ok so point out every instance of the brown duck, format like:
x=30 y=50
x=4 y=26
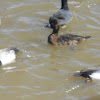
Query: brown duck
x=66 y=39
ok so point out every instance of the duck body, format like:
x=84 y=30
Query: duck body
x=91 y=73
x=63 y=15
x=65 y=39
x=8 y=55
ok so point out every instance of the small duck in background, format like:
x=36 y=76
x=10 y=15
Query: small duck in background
x=8 y=55
x=66 y=39
x=63 y=15
x=90 y=73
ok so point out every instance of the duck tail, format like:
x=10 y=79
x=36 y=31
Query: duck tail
x=15 y=49
x=64 y=4
x=87 y=37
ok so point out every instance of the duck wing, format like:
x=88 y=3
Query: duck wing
x=70 y=39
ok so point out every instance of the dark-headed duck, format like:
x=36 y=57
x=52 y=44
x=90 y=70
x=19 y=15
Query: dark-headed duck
x=63 y=15
x=90 y=73
x=65 y=39
x=8 y=55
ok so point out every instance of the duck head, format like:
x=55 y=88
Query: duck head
x=54 y=24
x=77 y=74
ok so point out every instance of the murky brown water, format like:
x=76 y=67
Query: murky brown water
x=50 y=68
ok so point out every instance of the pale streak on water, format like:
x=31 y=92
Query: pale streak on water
x=50 y=68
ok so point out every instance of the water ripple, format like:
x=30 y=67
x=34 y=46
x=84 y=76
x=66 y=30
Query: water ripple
x=50 y=68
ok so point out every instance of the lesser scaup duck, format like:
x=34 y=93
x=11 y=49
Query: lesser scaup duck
x=8 y=55
x=90 y=73
x=63 y=15
x=65 y=39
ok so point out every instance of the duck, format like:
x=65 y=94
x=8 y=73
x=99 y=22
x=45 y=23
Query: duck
x=65 y=39
x=8 y=55
x=90 y=73
x=63 y=15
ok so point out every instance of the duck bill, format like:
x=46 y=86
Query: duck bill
x=77 y=74
x=78 y=71
x=47 y=26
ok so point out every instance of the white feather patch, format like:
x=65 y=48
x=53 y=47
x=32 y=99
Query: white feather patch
x=7 y=56
x=95 y=75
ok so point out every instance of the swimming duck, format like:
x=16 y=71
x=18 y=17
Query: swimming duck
x=63 y=15
x=8 y=55
x=65 y=39
x=90 y=73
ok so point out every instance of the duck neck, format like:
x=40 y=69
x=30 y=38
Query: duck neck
x=55 y=31
x=64 y=4
x=52 y=39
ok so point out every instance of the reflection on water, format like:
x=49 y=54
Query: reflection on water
x=50 y=68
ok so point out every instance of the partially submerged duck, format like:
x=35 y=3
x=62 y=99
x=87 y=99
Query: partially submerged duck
x=66 y=39
x=90 y=73
x=8 y=55
x=63 y=15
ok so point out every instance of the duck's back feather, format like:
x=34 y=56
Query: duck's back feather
x=70 y=39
